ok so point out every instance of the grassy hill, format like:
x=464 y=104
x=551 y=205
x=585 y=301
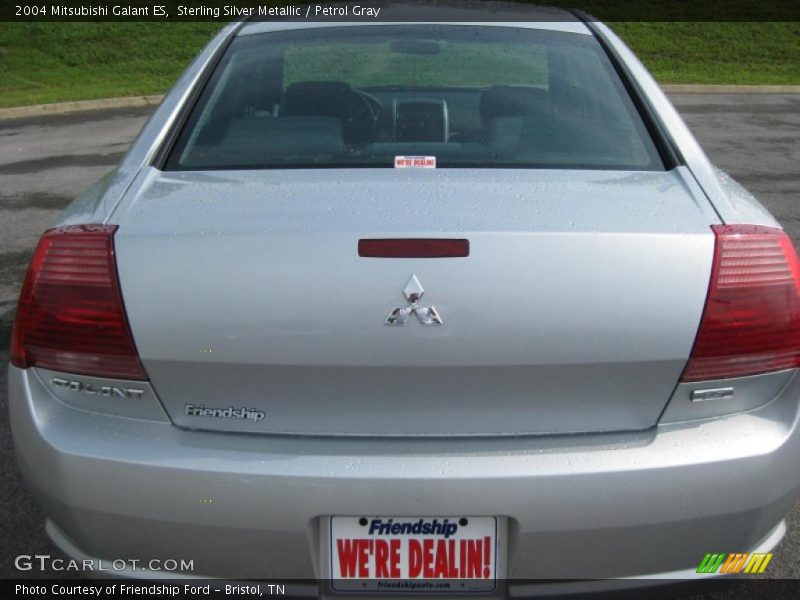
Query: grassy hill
x=52 y=62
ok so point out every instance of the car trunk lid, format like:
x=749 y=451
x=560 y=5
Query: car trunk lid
x=575 y=310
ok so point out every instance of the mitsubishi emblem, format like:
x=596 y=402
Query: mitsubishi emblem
x=413 y=293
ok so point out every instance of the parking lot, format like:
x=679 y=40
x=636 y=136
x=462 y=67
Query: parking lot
x=47 y=161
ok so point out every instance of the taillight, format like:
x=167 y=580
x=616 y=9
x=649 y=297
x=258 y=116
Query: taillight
x=751 y=322
x=70 y=315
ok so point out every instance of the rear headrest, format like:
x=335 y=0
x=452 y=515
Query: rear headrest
x=551 y=134
x=309 y=135
x=317 y=98
x=512 y=101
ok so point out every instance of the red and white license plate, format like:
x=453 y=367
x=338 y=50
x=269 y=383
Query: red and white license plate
x=413 y=554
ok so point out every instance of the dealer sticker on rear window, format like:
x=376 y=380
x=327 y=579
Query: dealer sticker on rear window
x=414 y=162
x=413 y=554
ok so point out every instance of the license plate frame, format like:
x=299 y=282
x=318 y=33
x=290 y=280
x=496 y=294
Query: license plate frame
x=432 y=556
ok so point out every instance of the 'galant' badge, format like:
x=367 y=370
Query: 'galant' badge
x=413 y=293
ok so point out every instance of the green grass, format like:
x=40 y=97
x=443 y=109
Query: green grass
x=54 y=62
x=717 y=53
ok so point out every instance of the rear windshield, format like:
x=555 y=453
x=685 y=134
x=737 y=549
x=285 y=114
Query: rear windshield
x=470 y=96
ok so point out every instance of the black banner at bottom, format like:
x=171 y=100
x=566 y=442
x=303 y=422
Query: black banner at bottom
x=107 y=589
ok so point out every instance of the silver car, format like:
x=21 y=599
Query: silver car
x=413 y=307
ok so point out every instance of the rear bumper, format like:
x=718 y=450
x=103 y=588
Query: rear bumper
x=660 y=585
x=511 y=588
x=243 y=506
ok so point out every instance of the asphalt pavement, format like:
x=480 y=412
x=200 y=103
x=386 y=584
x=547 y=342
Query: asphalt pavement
x=47 y=161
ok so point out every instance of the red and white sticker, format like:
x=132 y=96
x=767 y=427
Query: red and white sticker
x=414 y=162
x=413 y=554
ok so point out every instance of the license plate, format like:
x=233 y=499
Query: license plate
x=413 y=554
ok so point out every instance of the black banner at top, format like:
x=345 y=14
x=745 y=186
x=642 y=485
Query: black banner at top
x=397 y=10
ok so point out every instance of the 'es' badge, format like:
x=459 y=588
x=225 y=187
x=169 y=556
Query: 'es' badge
x=413 y=292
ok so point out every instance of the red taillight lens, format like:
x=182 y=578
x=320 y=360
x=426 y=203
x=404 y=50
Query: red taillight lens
x=413 y=248
x=70 y=315
x=751 y=322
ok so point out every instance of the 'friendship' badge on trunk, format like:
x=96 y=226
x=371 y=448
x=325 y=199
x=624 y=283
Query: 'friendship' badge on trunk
x=252 y=414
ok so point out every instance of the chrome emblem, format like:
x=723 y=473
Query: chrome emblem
x=96 y=390
x=413 y=292
x=725 y=393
